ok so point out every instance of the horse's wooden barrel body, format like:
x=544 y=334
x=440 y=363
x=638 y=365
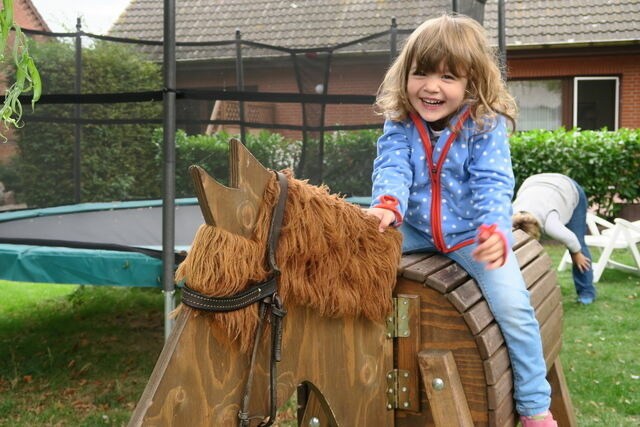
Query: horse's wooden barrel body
x=454 y=316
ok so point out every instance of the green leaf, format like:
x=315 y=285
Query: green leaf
x=27 y=76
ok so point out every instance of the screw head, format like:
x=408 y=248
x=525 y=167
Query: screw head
x=437 y=384
x=314 y=422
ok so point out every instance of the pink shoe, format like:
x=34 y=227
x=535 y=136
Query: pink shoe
x=542 y=420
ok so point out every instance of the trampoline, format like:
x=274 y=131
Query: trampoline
x=113 y=244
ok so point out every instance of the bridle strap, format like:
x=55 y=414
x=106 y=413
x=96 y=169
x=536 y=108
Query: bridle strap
x=276 y=223
x=243 y=414
x=195 y=299
x=267 y=294
x=277 y=314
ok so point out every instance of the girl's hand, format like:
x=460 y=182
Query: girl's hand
x=582 y=262
x=490 y=250
x=385 y=216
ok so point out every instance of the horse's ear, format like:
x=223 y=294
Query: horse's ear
x=234 y=208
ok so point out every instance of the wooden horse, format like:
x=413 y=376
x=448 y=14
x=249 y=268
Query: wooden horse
x=431 y=355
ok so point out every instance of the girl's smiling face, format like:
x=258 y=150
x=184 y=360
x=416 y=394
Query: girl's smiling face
x=437 y=95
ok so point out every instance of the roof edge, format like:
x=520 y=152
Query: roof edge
x=39 y=17
x=593 y=43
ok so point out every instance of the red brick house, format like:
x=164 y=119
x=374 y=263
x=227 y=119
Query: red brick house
x=570 y=62
x=26 y=16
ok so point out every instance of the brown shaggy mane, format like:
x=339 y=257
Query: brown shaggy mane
x=330 y=253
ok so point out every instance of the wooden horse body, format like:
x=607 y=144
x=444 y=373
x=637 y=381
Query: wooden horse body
x=199 y=379
x=440 y=359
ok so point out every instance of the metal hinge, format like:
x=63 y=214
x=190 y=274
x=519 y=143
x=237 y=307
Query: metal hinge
x=398 y=320
x=398 y=389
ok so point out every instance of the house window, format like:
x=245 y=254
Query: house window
x=539 y=103
x=595 y=101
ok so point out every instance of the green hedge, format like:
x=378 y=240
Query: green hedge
x=606 y=164
x=347 y=166
x=211 y=152
x=348 y=161
x=116 y=160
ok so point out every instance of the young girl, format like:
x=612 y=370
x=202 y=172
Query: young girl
x=443 y=175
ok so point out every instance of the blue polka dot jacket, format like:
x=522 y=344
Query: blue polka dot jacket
x=449 y=189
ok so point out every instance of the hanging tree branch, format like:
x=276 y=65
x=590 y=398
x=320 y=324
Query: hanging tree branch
x=27 y=76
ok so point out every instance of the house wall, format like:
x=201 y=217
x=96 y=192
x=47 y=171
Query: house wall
x=625 y=66
x=263 y=79
x=363 y=76
x=357 y=79
x=26 y=16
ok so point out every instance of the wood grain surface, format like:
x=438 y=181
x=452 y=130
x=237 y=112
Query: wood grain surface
x=200 y=376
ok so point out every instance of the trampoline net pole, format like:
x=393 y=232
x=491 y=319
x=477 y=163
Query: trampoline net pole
x=169 y=185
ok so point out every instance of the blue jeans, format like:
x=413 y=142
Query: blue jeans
x=506 y=293
x=578 y=225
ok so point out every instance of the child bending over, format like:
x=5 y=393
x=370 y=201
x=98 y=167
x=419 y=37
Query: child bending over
x=443 y=175
x=556 y=205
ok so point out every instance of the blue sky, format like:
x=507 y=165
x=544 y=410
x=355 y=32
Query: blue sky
x=98 y=15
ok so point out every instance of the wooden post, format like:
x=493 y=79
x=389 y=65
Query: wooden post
x=444 y=389
x=561 y=405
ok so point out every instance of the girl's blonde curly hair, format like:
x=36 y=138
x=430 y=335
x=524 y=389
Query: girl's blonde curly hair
x=461 y=45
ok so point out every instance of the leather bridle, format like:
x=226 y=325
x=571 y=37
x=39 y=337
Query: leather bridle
x=266 y=293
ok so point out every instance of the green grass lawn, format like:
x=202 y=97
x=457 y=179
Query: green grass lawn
x=601 y=353
x=81 y=356
x=76 y=356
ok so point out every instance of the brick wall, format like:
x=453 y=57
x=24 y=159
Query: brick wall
x=26 y=15
x=363 y=76
x=626 y=67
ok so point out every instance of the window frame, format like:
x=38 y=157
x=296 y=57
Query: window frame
x=577 y=79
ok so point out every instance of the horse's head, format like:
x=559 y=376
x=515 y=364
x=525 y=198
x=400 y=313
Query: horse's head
x=331 y=254
x=233 y=208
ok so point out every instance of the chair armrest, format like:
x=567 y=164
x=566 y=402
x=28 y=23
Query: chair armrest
x=633 y=226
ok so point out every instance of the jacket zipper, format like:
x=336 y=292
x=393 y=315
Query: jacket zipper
x=436 y=190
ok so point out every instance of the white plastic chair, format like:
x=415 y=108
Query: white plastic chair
x=621 y=234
